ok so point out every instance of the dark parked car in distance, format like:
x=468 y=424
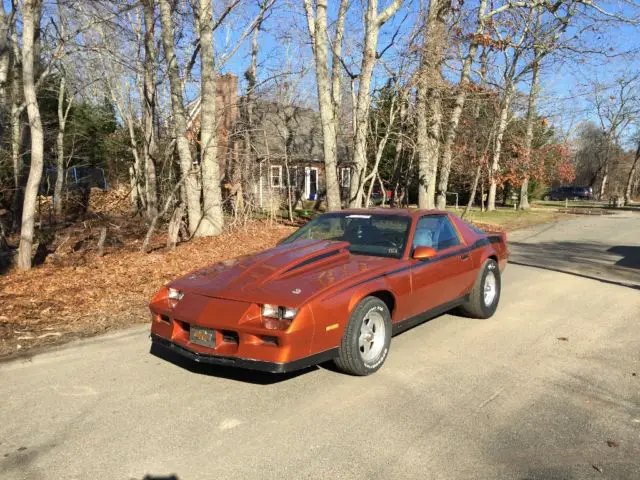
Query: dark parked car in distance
x=570 y=193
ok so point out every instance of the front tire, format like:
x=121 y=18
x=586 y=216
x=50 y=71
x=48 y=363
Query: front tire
x=485 y=294
x=365 y=343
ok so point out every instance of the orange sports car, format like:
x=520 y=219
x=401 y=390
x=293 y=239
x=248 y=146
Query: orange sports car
x=336 y=289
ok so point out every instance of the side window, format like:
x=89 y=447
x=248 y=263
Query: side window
x=435 y=231
x=448 y=236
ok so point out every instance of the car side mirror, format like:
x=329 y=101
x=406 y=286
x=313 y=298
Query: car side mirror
x=424 y=253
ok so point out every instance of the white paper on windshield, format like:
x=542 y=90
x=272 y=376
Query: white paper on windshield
x=358 y=216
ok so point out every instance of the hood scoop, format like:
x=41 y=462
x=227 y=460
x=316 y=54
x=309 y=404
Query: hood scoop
x=335 y=252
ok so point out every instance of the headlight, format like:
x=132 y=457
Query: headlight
x=275 y=317
x=275 y=311
x=174 y=294
x=271 y=311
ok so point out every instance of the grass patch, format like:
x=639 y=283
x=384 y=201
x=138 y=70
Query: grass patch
x=569 y=203
x=510 y=219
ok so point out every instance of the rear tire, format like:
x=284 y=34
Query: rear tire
x=365 y=343
x=485 y=294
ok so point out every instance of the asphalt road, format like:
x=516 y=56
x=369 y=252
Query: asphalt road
x=549 y=388
x=606 y=248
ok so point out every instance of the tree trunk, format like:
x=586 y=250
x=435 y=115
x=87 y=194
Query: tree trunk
x=16 y=127
x=31 y=22
x=212 y=218
x=5 y=58
x=63 y=114
x=397 y=158
x=327 y=103
x=60 y=172
x=101 y=241
x=174 y=227
x=429 y=101
x=190 y=185
x=287 y=172
x=362 y=106
x=16 y=130
x=632 y=172
x=472 y=195
x=373 y=22
x=239 y=173
x=497 y=149
x=374 y=175
x=133 y=192
x=149 y=109
x=605 y=177
x=531 y=116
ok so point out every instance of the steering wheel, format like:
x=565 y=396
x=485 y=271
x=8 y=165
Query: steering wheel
x=386 y=242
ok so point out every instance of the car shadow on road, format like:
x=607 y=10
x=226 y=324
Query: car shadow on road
x=630 y=256
x=618 y=265
x=229 y=373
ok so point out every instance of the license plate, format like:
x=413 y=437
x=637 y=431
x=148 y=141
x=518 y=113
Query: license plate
x=202 y=336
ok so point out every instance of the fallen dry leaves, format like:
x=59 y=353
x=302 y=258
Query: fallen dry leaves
x=81 y=294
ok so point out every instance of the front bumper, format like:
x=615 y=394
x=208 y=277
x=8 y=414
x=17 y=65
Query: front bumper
x=259 y=365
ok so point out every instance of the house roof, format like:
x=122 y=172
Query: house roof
x=278 y=131
x=290 y=132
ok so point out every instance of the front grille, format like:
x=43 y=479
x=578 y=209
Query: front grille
x=229 y=336
x=184 y=326
x=267 y=340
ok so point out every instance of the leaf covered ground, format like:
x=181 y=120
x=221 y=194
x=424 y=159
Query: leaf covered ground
x=76 y=293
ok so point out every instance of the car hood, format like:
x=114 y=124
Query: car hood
x=287 y=275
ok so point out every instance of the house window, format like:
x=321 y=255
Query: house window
x=345 y=177
x=293 y=177
x=276 y=176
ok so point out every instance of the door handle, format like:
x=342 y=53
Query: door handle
x=464 y=256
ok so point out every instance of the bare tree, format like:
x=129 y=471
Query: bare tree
x=31 y=12
x=545 y=42
x=461 y=96
x=63 y=115
x=213 y=218
x=484 y=60
x=150 y=150
x=616 y=106
x=429 y=100
x=328 y=86
x=190 y=186
x=6 y=25
x=373 y=21
x=531 y=114
x=383 y=133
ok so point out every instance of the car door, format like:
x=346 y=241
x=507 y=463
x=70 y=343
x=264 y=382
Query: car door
x=442 y=279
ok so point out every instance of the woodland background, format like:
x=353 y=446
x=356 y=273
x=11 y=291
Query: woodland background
x=492 y=102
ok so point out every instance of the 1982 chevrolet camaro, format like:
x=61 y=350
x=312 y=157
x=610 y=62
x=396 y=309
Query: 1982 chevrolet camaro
x=338 y=288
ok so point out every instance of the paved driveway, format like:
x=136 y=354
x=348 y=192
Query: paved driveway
x=549 y=388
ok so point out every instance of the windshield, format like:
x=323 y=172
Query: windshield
x=377 y=234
